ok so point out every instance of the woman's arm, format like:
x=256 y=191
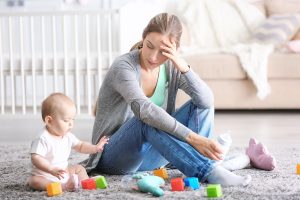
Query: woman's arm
x=124 y=79
x=189 y=82
x=126 y=83
x=201 y=96
x=197 y=89
x=205 y=146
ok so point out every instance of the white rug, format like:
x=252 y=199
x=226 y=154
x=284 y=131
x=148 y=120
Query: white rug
x=282 y=183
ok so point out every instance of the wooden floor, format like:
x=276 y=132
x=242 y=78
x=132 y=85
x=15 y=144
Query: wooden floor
x=271 y=128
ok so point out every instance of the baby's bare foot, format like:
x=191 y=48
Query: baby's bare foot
x=72 y=184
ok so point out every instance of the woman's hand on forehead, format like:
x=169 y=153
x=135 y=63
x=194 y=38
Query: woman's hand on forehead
x=169 y=50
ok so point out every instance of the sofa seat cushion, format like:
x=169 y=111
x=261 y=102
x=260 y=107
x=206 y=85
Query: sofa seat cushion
x=284 y=66
x=227 y=66
x=216 y=66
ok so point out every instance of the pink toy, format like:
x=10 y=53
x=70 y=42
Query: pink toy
x=259 y=156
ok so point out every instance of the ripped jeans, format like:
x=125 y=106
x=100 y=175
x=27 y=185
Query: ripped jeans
x=136 y=146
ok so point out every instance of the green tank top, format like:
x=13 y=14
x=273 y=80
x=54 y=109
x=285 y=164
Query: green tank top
x=158 y=96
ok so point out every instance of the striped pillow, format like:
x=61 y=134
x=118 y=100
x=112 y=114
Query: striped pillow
x=277 y=29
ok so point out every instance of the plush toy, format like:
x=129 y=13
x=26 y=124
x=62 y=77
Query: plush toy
x=145 y=183
x=259 y=156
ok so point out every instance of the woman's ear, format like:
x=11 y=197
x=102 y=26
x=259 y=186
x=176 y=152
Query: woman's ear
x=141 y=44
x=48 y=120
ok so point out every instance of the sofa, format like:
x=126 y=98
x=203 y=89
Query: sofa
x=230 y=84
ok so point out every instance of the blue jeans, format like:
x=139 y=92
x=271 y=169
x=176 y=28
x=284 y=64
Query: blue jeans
x=136 y=146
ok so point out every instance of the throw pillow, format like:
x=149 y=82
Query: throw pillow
x=277 y=29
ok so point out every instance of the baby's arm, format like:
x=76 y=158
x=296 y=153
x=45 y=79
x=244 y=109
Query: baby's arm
x=88 y=148
x=41 y=163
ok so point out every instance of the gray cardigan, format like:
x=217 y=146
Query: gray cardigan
x=121 y=97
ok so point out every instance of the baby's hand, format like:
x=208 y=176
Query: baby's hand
x=103 y=141
x=58 y=172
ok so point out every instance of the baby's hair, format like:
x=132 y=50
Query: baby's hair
x=53 y=103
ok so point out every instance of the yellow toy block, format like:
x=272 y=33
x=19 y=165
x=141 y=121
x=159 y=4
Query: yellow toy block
x=161 y=173
x=54 y=189
x=298 y=168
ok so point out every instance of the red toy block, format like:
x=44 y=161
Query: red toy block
x=177 y=184
x=88 y=184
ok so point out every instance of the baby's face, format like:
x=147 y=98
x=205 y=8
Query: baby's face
x=62 y=122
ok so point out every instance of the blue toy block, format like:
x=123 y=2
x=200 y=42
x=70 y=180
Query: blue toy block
x=192 y=182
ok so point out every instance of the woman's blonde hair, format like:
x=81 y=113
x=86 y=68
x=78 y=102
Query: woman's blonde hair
x=164 y=23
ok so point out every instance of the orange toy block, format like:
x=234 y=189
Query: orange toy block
x=161 y=173
x=54 y=189
x=177 y=184
x=88 y=184
x=298 y=168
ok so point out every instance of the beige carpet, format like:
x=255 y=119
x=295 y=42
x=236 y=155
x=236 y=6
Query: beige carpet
x=282 y=183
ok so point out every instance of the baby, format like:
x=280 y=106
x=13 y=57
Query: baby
x=51 y=150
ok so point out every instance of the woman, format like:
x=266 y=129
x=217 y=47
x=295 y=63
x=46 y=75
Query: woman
x=136 y=109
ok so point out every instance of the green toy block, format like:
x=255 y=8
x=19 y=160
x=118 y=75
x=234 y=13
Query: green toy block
x=214 y=190
x=101 y=182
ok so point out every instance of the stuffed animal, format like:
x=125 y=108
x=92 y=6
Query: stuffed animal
x=259 y=156
x=144 y=182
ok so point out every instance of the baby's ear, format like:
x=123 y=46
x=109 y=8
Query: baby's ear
x=48 y=119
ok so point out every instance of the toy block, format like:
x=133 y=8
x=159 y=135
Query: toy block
x=88 y=184
x=177 y=184
x=101 y=182
x=298 y=168
x=54 y=189
x=192 y=182
x=214 y=190
x=161 y=173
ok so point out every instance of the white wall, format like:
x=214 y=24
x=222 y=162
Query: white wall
x=61 y=4
x=134 y=16
x=127 y=29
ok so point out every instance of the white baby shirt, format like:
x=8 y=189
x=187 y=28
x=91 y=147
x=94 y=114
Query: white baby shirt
x=55 y=150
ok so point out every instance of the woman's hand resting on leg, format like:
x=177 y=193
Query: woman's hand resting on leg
x=205 y=146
